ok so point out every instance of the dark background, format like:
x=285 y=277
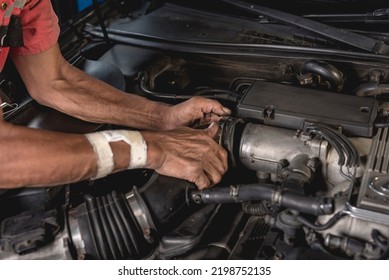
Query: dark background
x=69 y=9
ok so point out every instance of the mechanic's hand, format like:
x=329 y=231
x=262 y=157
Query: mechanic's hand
x=187 y=154
x=196 y=111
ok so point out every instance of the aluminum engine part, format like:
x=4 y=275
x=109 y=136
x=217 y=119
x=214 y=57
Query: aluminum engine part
x=262 y=147
x=357 y=224
x=370 y=210
x=267 y=150
x=374 y=193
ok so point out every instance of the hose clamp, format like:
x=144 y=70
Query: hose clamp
x=234 y=193
x=141 y=213
x=277 y=197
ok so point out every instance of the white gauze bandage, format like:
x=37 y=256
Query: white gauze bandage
x=103 y=152
x=136 y=142
x=105 y=162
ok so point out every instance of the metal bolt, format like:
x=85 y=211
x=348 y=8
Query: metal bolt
x=146 y=233
x=376 y=75
x=4 y=6
x=269 y=113
x=313 y=163
x=197 y=199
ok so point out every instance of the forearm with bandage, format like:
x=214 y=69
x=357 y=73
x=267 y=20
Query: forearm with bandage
x=100 y=142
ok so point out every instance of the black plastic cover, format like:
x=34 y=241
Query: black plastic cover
x=29 y=230
x=186 y=236
x=290 y=107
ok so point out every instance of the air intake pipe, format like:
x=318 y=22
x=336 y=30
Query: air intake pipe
x=128 y=225
x=106 y=228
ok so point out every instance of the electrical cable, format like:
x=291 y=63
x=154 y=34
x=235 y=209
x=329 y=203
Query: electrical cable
x=348 y=154
x=213 y=93
x=325 y=226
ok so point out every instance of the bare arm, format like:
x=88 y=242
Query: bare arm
x=53 y=82
x=41 y=158
x=33 y=157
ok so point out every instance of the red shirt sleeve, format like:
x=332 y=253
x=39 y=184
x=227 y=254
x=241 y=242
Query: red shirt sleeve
x=40 y=28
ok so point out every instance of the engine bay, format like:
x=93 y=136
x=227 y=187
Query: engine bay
x=308 y=145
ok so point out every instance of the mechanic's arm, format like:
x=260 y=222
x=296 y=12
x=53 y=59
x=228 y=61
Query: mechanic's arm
x=34 y=157
x=53 y=82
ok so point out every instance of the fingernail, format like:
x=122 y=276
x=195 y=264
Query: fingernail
x=212 y=125
x=226 y=110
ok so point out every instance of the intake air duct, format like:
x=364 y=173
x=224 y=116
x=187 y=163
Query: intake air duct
x=127 y=226
x=106 y=228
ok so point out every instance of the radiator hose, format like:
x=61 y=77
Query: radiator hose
x=255 y=192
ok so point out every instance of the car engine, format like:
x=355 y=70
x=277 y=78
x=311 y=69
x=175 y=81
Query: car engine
x=308 y=145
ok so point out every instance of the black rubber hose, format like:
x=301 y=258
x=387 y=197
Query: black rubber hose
x=243 y=193
x=128 y=223
x=212 y=93
x=121 y=229
x=308 y=204
x=101 y=243
x=325 y=70
x=372 y=89
x=254 y=192
x=325 y=226
x=107 y=229
x=350 y=146
x=117 y=237
x=347 y=141
x=351 y=151
x=339 y=142
x=334 y=143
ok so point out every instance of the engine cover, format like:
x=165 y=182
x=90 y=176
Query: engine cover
x=289 y=107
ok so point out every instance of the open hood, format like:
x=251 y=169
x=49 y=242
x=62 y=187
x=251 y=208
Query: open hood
x=307 y=140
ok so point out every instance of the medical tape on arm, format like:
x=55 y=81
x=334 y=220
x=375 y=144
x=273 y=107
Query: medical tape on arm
x=105 y=161
x=103 y=152
x=135 y=140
